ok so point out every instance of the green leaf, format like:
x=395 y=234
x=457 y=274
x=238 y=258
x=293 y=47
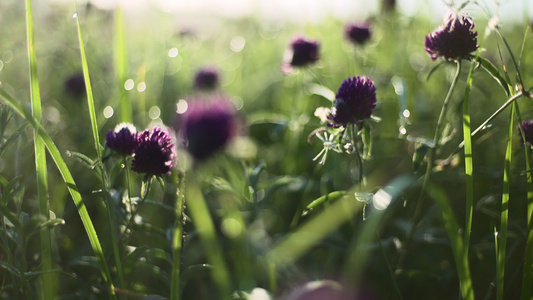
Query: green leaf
x=329 y=197
x=419 y=155
x=493 y=71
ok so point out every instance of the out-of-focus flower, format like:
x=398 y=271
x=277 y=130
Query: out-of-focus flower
x=301 y=52
x=528 y=132
x=207 y=126
x=355 y=101
x=206 y=78
x=388 y=5
x=357 y=33
x=75 y=85
x=123 y=139
x=453 y=40
x=155 y=153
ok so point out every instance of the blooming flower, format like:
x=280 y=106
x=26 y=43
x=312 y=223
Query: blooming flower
x=528 y=132
x=75 y=85
x=355 y=101
x=155 y=154
x=123 y=139
x=453 y=40
x=206 y=78
x=357 y=33
x=301 y=52
x=207 y=126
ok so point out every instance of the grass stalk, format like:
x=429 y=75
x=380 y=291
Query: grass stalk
x=469 y=164
x=502 y=234
x=120 y=59
x=49 y=279
x=177 y=239
x=71 y=185
x=203 y=222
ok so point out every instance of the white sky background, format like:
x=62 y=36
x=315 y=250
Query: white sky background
x=316 y=10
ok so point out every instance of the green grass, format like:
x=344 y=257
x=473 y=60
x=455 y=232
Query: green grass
x=261 y=213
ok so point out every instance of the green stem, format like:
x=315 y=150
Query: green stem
x=469 y=164
x=431 y=160
x=177 y=239
x=49 y=279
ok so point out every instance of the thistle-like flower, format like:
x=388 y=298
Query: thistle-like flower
x=75 y=85
x=207 y=126
x=357 y=33
x=301 y=52
x=354 y=102
x=155 y=153
x=453 y=40
x=123 y=139
x=206 y=78
x=528 y=132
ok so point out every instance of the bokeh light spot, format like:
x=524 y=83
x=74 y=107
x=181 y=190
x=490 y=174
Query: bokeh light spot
x=182 y=106
x=141 y=87
x=237 y=43
x=231 y=227
x=108 y=112
x=129 y=84
x=406 y=113
x=173 y=52
x=154 y=112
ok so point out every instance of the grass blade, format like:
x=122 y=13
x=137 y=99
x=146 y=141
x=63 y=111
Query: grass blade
x=502 y=234
x=120 y=57
x=49 y=279
x=469 y=165
x=177 y=238
x=458 y=248
x=71 y=185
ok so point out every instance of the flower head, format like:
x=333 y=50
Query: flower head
x=206 y=78
x=155 y=153
x=453 y=40
x=75 y=85
x=528 y=132
x=123 y=139
x=301 y=52
x=355 y=101
x=207 y=126
x=357 y=33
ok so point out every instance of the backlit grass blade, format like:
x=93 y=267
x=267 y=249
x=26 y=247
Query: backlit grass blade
x=458 y=248
x=90 y=100
x=502 y=234
x=527 y=274
x=469 y=165
x=201 y=218
x=71 y=185
x=177 y=238
x=49 y=283
x=120 y=59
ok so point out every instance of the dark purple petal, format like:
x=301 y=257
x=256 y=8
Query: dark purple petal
x=123 y=139
x=355 y=101
x=206 y=78
x=207 y=126
x=304 y=51
x=452 y=41
x=528 y=132
x=155 y=154
x=357 y=33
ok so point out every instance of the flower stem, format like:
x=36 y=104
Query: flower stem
x=177 y=239
x=431 y=160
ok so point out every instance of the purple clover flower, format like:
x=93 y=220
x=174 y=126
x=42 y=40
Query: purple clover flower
x=123 y=139
x=354 y=102
x=206 y=78
x=75 y=85
x=357 y=33
x=528 y=132
x=453 y=40
x=155 y=153
x=207 y=126
x=302 y=52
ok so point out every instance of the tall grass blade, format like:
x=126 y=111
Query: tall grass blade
x=71 y=185
x=469 y=165
x=175 y=289
x=527 y=274
x=120 y=58
x=502 y=234
x=90 y=100
x=201 y=218
x=458 y=248
x=49 y=283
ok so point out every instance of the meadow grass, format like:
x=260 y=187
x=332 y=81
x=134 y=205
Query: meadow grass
x=375 y=207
